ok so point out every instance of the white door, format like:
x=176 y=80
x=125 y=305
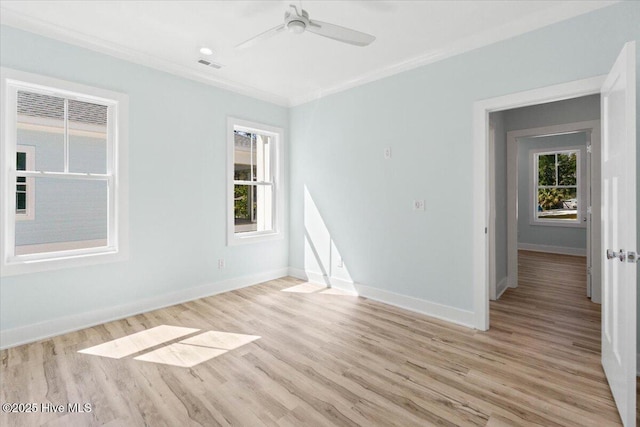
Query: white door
x=619 y=232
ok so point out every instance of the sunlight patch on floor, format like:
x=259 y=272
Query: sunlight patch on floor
x=139 y=341
x=186 y=353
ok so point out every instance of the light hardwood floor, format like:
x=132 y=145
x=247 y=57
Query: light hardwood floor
x=323 y=358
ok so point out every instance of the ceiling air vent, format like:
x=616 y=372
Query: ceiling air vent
x=209 y=64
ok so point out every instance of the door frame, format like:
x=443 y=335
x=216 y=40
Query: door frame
x=483 y=170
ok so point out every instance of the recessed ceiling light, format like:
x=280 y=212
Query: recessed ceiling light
x=206 y=51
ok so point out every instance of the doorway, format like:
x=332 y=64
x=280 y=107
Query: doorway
x=484 y=181
x=550 y=178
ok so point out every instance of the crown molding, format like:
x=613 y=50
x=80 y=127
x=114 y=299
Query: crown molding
x=561 y=12
x=17 y=20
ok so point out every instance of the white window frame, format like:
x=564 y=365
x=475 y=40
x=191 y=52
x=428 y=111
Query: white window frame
x=277 y=170
x=533 y=197
x=117 y=248
x=29 y=215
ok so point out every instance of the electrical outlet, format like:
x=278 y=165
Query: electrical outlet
x=418 y=205
x=221 y=263
x=387 y=153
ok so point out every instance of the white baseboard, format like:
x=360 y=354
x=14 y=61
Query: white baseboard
x=428 y=308
x=502 y=286
x=562 y=250
x=344 y=285
x=62 y=325
x=298 y=273
x=320 y=279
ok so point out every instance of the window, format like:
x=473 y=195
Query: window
x=254 y=197
x=67 y=180
x=557 y=187
x=25 y=190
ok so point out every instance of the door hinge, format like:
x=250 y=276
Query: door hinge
x=588 y=148
x=589 y=210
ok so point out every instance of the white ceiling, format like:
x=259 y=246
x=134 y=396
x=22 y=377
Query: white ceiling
x=287 y=69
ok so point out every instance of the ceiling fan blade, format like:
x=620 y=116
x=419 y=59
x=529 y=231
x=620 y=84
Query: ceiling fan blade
x=260 y=37
x=339 y=33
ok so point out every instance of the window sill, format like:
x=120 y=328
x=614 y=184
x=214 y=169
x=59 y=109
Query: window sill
x=581 y=224
x=255 y=237
x=28 y=264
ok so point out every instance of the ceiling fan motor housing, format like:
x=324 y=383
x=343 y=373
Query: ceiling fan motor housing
x=296 y=22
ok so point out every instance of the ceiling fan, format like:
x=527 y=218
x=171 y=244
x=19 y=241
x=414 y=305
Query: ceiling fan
x=299 y=22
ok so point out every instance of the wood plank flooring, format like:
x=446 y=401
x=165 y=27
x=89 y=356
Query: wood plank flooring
x=326 y=359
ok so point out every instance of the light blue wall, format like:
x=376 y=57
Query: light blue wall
x=566 y=237
x=177 y=183
x=425 y=115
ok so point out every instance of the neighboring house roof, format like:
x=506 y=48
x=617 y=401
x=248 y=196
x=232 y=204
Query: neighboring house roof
x=52 y=107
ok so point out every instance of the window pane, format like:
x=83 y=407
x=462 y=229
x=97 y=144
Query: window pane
x=558 y=203
x=41 y=124
x=547 y=169
x=567 y=169
x=262 y=170
x=242 y=156
x=244 y=208
x=264 y=208
x=69 y=214
x=241 y=172
x=252 y=160
x=87 y=137
x=253 y=208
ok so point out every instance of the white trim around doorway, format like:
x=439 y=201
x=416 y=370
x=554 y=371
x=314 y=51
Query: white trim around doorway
x=483 y=182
